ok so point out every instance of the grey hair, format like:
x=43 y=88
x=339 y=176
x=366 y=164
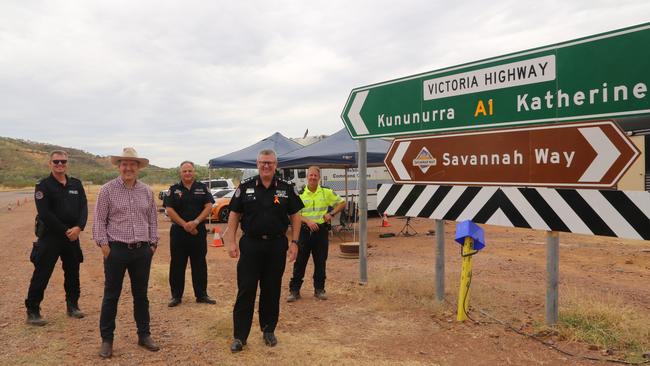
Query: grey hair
x=58 y=152
x=186 y=162
x=268 y=152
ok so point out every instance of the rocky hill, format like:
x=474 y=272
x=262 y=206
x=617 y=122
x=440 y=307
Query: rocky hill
x=24 y=162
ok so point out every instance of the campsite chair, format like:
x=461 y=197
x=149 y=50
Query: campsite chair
x=347 y=218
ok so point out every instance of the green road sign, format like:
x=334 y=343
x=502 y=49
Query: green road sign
x=601 y=76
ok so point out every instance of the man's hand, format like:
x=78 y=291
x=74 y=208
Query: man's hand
x=233 y=249
x=312 y=225
x=153 y=249
x=73 y=233
x=293 y=251
x=106 y=250
x=190 y=226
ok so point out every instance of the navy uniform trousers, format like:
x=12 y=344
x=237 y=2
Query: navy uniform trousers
x=260 y=261
x=184 y=246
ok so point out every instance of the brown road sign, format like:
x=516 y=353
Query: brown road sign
x=589 y=154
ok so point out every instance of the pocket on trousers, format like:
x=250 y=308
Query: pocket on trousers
x=78 y=253
x=33 y=256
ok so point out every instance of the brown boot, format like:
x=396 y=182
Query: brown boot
x=148 y=343
x=106 y=350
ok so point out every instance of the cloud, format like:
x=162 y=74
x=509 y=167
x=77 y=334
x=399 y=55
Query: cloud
x=195 y=79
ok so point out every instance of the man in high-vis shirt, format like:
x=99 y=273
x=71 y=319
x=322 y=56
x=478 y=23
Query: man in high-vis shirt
x=321 y=204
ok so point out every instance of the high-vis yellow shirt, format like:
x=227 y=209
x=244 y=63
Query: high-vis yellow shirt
x=316 y=203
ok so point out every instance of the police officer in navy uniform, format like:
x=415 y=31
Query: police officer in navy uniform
x=266 y=206
x=188 y=204
x=62 y=213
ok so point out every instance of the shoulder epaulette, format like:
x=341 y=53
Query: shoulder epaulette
x=326 y=187
x=249 y=179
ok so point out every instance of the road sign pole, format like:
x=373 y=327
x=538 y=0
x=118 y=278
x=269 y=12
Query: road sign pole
x=363 y=214
x=440 y=260
x=552 y=276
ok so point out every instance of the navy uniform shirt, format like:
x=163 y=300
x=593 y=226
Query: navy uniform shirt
x=59 y=206
x=265 y=211
x=188 y=203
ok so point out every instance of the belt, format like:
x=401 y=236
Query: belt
x=267 y=236
x=135 y=245
x=323 y=225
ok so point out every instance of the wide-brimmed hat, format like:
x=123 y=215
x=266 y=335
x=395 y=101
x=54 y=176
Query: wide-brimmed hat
x=129 y=153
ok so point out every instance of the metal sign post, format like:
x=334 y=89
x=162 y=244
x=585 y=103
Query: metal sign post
x=440 y=260
x=363 y=214
x=552 y=276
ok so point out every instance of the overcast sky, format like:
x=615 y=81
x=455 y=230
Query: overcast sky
x=195 y=80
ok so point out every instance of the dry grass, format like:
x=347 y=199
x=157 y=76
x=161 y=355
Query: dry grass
x=403 y=288
x=605 y=322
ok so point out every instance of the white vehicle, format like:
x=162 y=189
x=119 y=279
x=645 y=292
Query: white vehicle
x=216 y=185
x=335 y=179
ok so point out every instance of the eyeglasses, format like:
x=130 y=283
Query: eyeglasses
x=269 y=163
x=57 y=162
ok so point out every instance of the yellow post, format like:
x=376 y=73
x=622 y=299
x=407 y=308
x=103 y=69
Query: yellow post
x=465 y=280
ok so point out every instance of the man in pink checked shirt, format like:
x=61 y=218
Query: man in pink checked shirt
x=125 y=228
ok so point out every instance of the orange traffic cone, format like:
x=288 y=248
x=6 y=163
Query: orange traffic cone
x=217 y=241
x=384 y=222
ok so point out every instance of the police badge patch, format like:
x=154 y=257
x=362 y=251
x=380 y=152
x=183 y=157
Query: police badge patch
x=38 y=195
x=237 y=193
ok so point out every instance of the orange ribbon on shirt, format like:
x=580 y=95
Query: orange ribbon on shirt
x=276 y=200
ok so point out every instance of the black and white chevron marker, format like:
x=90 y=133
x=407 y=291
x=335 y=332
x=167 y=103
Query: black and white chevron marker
x=624 y=214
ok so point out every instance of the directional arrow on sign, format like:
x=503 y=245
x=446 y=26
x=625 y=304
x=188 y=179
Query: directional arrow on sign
x=606 y=152
x=397 y=160
x=586 y=154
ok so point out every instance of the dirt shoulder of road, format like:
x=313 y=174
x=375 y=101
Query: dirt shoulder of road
x=393 y=319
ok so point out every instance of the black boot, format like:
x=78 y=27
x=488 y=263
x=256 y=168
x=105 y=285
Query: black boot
x=34 y=317
x=73 y=310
